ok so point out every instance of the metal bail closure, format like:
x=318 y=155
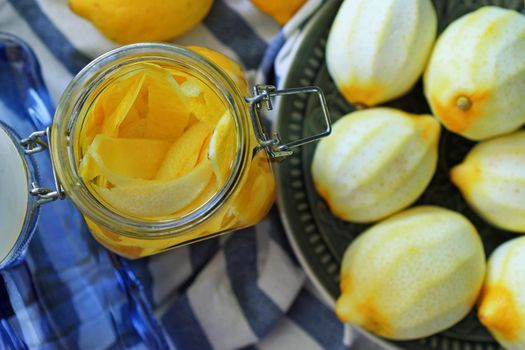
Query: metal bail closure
x=262 y=95
x=35 y=143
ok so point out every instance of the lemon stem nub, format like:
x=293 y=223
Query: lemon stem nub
x=464 y=103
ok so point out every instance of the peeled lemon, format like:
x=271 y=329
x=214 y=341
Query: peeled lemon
x=502 y=302
x=377 y=49
x=131 y=21
x=475 y=78
x=492 y=180
x=412 y=275
x=375 y=163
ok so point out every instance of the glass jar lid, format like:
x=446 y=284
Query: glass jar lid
x=17 y=207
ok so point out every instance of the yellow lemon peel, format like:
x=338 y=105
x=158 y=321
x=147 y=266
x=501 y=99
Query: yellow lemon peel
x=112 y=122
x=136 y=158
x=159 y=198
x=184 y=153
x=221 y=149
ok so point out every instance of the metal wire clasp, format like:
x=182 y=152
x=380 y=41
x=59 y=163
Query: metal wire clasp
x=35 y=143
x=262 y=95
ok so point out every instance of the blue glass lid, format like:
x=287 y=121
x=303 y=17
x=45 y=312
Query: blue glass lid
x=18 y=209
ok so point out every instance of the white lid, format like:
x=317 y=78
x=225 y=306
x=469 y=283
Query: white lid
x=14 y=193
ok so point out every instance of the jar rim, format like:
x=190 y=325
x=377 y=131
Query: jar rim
x=66 y=116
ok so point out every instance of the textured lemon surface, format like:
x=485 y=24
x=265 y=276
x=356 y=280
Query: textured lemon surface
x=502 y=302
x=412 y=275
x=158 y=143
x=377 y=49
x=475 y=78
x=375 y=162
x=492 y=180
x=131 y=21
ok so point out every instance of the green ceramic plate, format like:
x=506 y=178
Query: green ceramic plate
x=319 y=239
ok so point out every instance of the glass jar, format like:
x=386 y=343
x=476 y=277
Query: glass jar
x=242 y=199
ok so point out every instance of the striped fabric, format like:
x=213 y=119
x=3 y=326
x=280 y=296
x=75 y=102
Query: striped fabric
x=240 y=291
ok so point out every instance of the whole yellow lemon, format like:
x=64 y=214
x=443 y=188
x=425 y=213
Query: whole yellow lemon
x=502 y=302
x=280 y=10
x=130 y=21
x=412 y=275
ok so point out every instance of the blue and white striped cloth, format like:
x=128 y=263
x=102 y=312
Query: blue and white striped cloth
x=242 y=290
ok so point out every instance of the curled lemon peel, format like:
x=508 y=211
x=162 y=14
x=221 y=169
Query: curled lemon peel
x=222 y=147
